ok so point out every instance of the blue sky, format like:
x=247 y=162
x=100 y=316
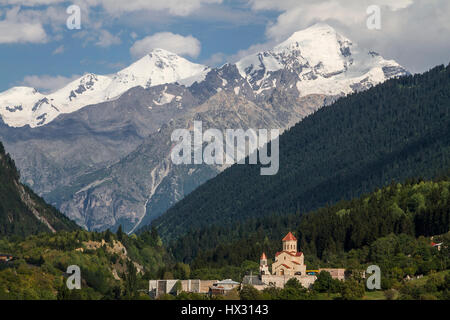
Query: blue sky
x=37 y=49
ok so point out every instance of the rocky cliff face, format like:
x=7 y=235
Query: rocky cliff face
x=21 y=211
x=109 y=164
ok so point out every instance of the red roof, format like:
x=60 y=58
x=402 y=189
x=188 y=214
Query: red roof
x=290 y=237
x=297 y=254
x=286 y=266
x=263 y=257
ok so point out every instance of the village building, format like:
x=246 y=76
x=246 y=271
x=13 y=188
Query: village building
x=223 y=287
x=289 y=263
x=174 y=287
x=158 y=288
x=5 y=258
x=437 y=245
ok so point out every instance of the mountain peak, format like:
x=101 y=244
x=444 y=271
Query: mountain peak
x=22 y=106
x=320 y=27
x=316 y=35
x=158 y=67
x=19 y=90
x=162 y=52
x=320 y=61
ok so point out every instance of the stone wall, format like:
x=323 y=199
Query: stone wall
x=335 y=273
x=280 y=281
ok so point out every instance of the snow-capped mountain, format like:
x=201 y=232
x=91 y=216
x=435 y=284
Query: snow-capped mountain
x=317 y=60
x=109 y=164
x=323 y=62
x=21 y=106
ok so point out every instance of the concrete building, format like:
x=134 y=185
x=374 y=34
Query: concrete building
x=254 y=281
x=158 y=288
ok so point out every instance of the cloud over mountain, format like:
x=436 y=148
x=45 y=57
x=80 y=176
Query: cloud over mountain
x=186 y=46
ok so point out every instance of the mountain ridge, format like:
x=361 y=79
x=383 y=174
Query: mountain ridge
x=21 y=211
x=316 y=53
x=396 y=130
x=156 y=68
x=66 y=161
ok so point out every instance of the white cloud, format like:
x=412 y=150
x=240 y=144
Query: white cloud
x=31 y=3
x=414 y=32
x=188 y=46
x=98 y=36
x=255 y=48
x=15 y=29
x=299 y=14
x=283 y=5
x=58 y=50
x=215 y=59
x=106 y=39
x=47 y=83
x=174 y=7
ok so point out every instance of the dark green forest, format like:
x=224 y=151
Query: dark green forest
x=394 y=131
x=391 y=228
x=344 y=189
x=414 y=209
x=19 y=205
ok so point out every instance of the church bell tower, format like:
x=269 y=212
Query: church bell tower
x=263 y=267
x=290 y=243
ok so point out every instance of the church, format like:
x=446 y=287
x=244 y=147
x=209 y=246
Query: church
x=289 y=263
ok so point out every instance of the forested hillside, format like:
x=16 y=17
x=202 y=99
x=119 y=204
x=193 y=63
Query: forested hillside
x=113 y=266
x=22 y=212
x=392 y=227
x=413 y=208
x=394 y=131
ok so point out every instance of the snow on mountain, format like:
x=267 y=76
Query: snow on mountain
x=21 y=106
x=158 y=67
x=15 y=101
x=317 y=60
x=325 y=62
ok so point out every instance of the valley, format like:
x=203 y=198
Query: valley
x=97 y=163
x=307 y=167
